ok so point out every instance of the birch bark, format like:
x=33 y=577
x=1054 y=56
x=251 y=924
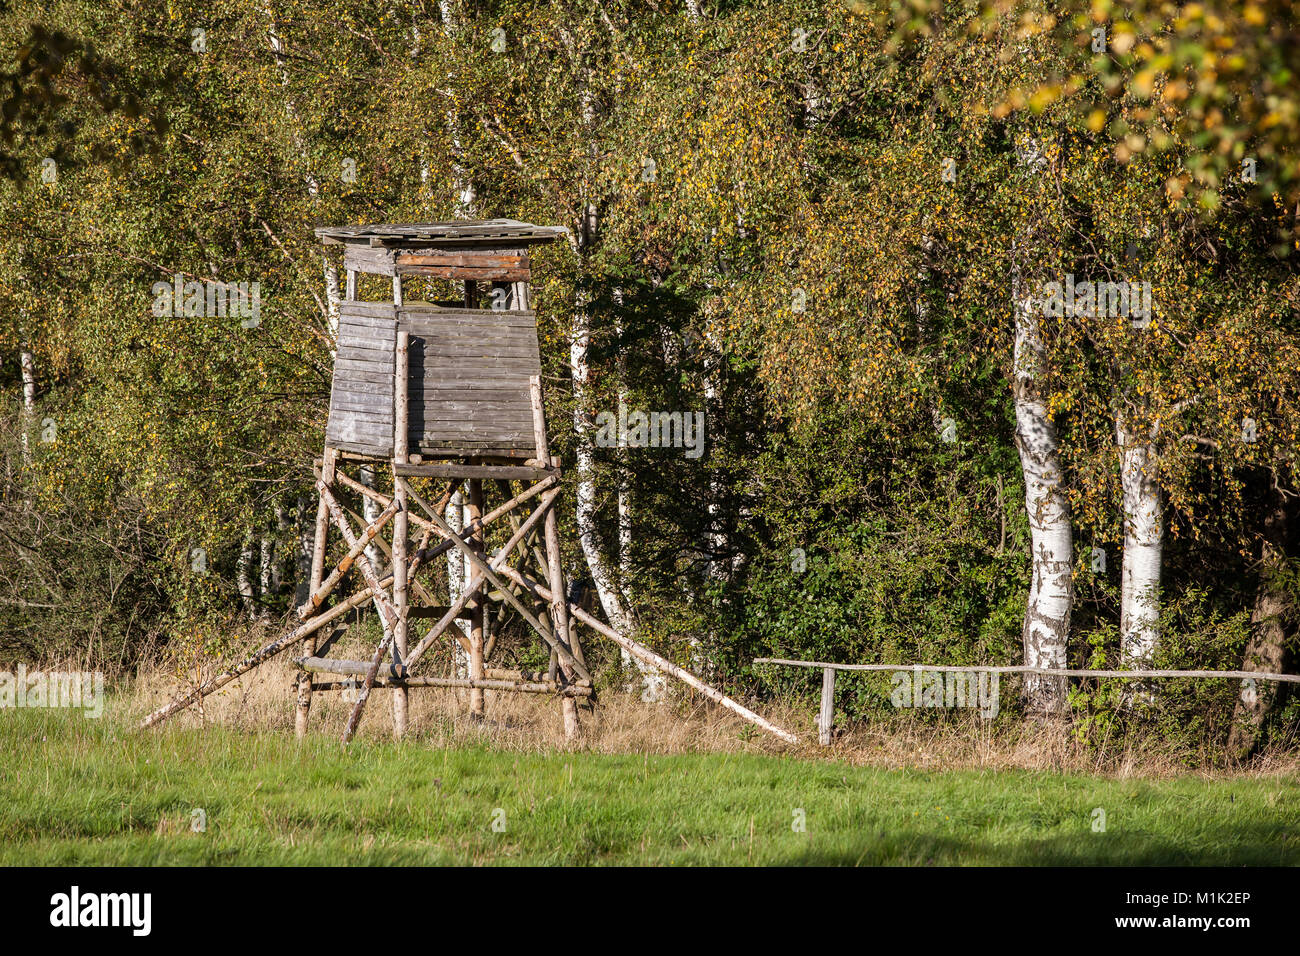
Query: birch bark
x=1046 y=629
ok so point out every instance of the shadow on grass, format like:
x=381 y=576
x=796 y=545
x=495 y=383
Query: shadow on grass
x=1238 y=846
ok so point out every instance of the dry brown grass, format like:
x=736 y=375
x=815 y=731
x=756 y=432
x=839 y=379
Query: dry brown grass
x=620 y=723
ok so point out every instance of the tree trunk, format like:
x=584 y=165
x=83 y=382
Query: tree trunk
x=331 y=298
x=1046 y=628
x=653 y=684
x=477 y=637
x=243 y=580
x=458 y=576
x=370 y=510
x=305 y=533
x=1274 y=623
x=466 y=199
x=27 y=361
x=1143 y=544
x=266 y=573
x=606 y=589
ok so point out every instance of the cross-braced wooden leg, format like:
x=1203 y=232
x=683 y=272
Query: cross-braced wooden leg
x=559 y=604
x=477 y=700
x=303 y=711
x=400 y=416
x=382 y=604
x=449 y=617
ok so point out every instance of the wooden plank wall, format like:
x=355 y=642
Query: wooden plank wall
x=471 y=368
x=469 y=374
x=361 y=400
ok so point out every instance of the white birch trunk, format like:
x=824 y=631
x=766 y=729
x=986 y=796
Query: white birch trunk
x=466 y=200
x=331 y=298
x=606 y=589
x=653 y=685
x=243 y=577
x=1046 y=628
x=1143 y=546
x=374 y=554
x=458 y=574
x=266 y=573
x=282 y=525
x=305 y=527
x=27 y=361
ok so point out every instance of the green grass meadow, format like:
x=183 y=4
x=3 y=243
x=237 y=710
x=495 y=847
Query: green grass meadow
x=78 y=791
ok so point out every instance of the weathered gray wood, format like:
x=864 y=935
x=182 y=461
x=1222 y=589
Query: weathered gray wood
x=361 y=313
x=382 y=603
x=400 y=429
x=360 y=449
x=370 y=260
x=261 y=656
x=477 y=617
x=518 y=687
x=483 y=568
x=443 y=394
x=1026 y=669
x=323 y=590
x=826 y=716
x=329 y=461
x=544 y=507
x=363 y=564
x=460 y=232
x=363 y=366
x=486 y=321
x=559 y=607
x=472 y=471
x=521 y=296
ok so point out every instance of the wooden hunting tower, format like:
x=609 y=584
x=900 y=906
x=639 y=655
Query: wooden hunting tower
x=440 y=399
x=448 y=391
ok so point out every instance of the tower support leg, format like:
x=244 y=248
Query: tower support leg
x=401 y=415
x=303 y=712
x=477 y=706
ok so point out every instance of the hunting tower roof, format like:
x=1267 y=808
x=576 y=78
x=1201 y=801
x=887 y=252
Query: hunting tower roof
x=457 y=232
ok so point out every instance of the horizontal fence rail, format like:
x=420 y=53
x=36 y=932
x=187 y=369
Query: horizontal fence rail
x=827 y=710
x=1026 y=669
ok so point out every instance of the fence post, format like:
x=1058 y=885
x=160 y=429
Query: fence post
x=827 y=716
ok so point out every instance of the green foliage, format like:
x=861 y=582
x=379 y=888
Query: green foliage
x=775 y=244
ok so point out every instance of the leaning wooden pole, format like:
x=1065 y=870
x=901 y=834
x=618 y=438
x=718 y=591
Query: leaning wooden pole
x=262 y=655
x=644 y=654
x=258 y=657
x=323 y=589
x=493 y=578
